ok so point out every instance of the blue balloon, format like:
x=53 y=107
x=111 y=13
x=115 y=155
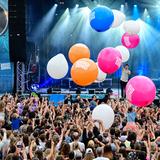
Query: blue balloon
x=101 y=18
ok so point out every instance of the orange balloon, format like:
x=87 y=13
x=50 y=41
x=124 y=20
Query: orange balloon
x=84 y=72
x=78 y=51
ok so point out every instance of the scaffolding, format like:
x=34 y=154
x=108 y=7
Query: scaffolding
x=20 y=82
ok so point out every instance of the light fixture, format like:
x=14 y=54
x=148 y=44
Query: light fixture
x=77 y=5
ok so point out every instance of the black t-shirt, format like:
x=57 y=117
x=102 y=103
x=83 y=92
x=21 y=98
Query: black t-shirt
x=32 y=115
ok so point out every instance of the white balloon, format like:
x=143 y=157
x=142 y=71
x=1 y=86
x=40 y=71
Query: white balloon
x=57 y=66
x=104 y=113
x=131 y=27
x=119 y=18
x=124 y=53
x=101 y=75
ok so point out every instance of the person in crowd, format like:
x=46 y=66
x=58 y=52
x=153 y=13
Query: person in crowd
x=33 y=129
x=99 y=153
x=124 y=79
x=68 y=100
x=93 y=102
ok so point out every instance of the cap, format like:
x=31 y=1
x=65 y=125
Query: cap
x=89 y=150
x=123 y=138
x=78 y=154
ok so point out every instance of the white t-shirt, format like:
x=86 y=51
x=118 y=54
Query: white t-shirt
x=125 y=75
x=2 y=116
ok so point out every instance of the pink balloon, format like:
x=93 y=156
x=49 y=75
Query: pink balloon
x=109 y=60
x=130 y=41
x=140 y=91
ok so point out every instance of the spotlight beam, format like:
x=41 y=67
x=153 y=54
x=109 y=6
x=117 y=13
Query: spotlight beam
x=44 y=25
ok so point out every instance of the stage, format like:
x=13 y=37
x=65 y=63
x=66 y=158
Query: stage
x=57 y=96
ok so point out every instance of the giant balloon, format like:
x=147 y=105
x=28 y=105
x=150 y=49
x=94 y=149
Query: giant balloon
x=119 y=18
x=131 y=27
x=78 y=51
x=130 y=41
x=84 y=72
x=124 y=53
x=140 y=91
x=101 y=18
x=101 y=75
x=109 y=60
x=104 y=113
x=57 y=66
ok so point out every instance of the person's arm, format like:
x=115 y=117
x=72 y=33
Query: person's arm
x=46 y=108
x=24 y=155
x=64 y=109
x=51 y=156
x=67 y=133
x=154 y=157
x=101 y=126
x=33 y=123
x=30 y=150
x=3 y=139
x=148 y=150
x=4 y=135
x=129 y=72
x=98 y=142
x=61 y=139
x=116 y=142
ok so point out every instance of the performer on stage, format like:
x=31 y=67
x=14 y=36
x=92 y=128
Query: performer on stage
x=124 y=79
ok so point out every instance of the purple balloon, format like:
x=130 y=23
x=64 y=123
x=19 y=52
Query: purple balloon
x=130 y=41
x=140 y=91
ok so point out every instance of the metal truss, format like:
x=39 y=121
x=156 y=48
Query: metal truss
x=20 y=82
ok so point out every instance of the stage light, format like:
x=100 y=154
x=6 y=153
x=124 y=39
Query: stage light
x=122 y=8
x=35 y=87
x=77 y=5
x=135 y=12
x=74 y=10
x=86 y=11
x=56 y=5
x=60 y=30
x=145 y=14
x=44 y=25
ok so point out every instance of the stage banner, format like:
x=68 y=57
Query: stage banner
x=6 y=68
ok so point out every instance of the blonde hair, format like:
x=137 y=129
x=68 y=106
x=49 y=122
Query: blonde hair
x=75 y=146
x=91 y=144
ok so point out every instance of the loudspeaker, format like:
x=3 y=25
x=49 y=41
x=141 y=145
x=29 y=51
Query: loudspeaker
x=78 y=91
x=17 y=31
x=56 y=90
x=49 y=91
x=91 y=91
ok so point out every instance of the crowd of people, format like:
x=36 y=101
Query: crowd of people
x=33 y=128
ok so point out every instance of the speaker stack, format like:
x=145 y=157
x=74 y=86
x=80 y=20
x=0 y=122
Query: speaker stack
x=17 y=31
